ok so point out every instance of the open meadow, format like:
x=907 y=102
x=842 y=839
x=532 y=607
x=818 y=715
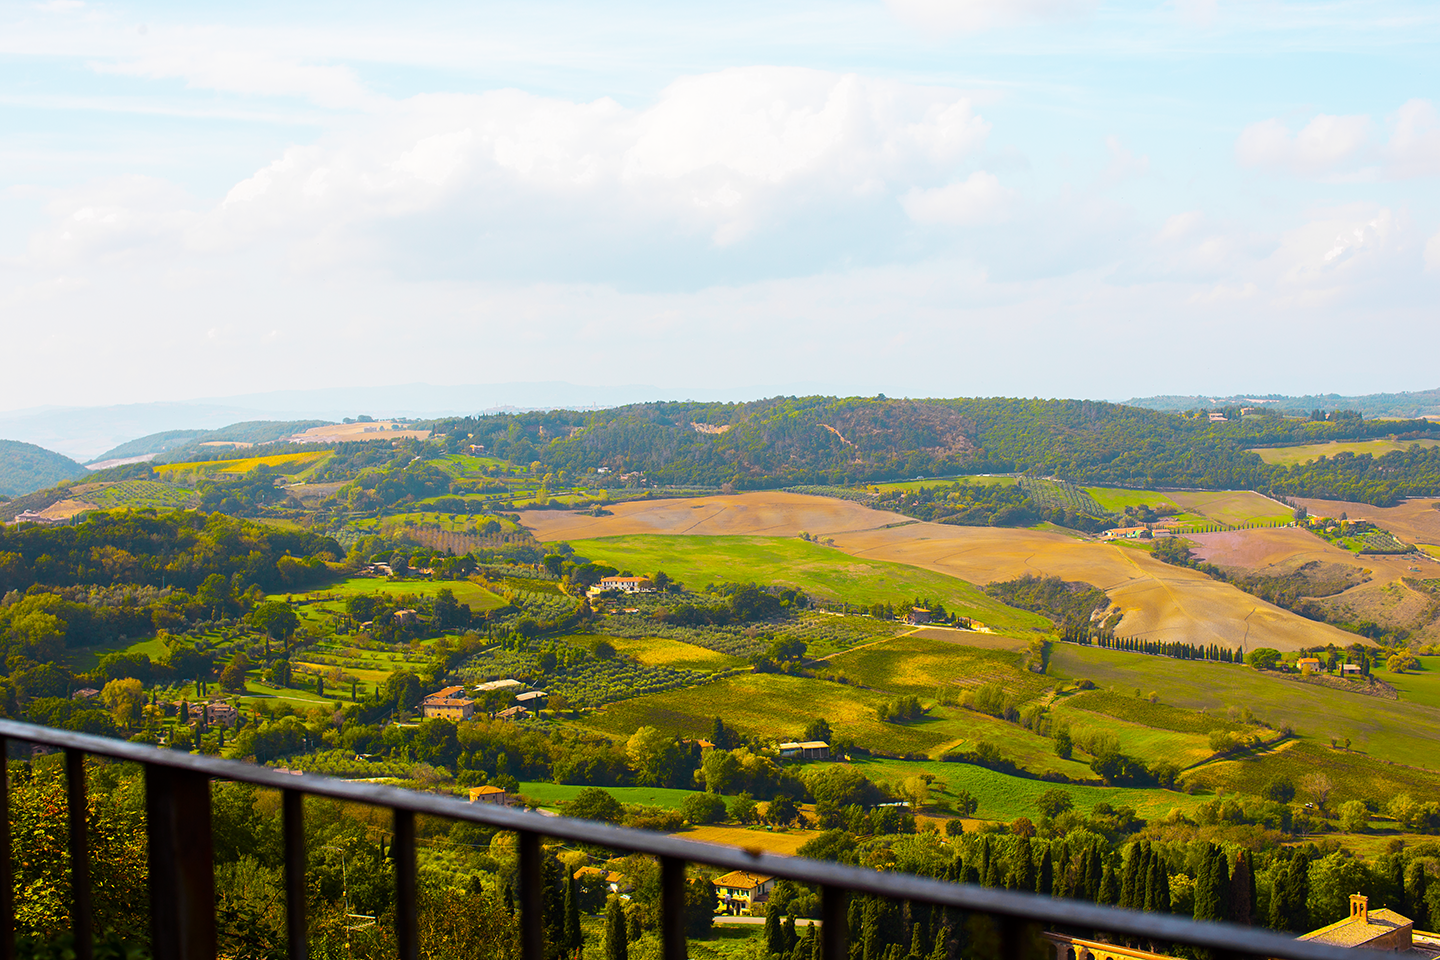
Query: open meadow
x=1304 y=453
x=1232 y=507
x=1400 y=731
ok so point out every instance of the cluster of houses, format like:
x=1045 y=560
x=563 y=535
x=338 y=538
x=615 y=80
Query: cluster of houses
x=623 y=585
x=451 y=703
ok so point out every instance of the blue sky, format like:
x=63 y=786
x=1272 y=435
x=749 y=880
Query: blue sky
x=1029 y=197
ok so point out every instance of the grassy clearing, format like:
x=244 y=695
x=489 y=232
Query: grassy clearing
x=1143 y=712
x=1115 y=500
x=778 y=707
x=676 y=654
x=1354 y=776
x=1402 y=731
x=1422 y=688
x=1003 y=797
x=1304 y=453
x=916 y=664
x=466 y=591
x=83 y=659
x=821 y=571
x=1232 y=507
x=553 y=794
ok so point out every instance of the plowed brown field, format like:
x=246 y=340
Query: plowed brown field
x=1161 y=602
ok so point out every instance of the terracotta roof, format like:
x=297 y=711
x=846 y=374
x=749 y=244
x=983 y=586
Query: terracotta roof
x=1358 y=930
x=742 y=880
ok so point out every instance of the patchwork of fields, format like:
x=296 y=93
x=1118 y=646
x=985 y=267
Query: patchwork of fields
x=1160 y=602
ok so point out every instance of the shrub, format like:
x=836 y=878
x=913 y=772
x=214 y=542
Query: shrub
x=703 y=808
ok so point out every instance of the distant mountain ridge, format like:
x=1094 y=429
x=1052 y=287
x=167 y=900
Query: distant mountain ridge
x=25 y=467
x=1419 y=403
x=179 y=442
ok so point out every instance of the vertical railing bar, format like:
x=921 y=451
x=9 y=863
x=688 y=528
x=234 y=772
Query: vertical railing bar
x=7 y=883
x=80 y=917
x=407 y=927
x=834 y=923
x=293 y=803
x=1011 y=931
x=672 y=908
x=532 y=923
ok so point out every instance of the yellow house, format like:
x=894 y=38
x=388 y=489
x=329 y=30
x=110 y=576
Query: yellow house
x=1308 y=665
x=1371 y=929
x=739 y=890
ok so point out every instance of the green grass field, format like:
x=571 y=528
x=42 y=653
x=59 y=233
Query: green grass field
x=1422 y=688
x=1003 y=797
x=821 y=571
x=553 y=794
x=1354 y=776
x=82 y=659
x=1115 y=500
x=286 y=463
x=466 y=591
x=1232 y=507
x=1304 y=453
x=662 y=652
x=1403 y=731
x=922 y=666
x=777 y=707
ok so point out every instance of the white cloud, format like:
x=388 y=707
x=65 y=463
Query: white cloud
x=1414 y=147
x=1124 y=165
x=969 y=16
x=979 y=199
x=1432 y=254
x=723 y=157
x=1324 y=145
x=204 y=64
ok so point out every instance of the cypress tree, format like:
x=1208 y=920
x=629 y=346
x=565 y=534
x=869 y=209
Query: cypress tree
x=1109 y=887
x=616 y=945
x=1417 y=895
x=1094 y=876
x=1212 y=885
x=1045 y=879
x=574 y=940
x=941 y=950
x=774 y=935
x=1023 y=877
x=1397 y=880
x=1157 y=886
x=788 y=933
x=993 y=874
x=917 y=943
x=871 y=948
x=1289 y=908
x=1128 y=882
x=1242 y=890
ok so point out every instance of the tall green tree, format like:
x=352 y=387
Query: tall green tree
x=617 y=947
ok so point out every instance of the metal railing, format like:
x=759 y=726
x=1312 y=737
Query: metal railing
x=182 y=879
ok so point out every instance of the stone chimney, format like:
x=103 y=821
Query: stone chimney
x=1360 y=907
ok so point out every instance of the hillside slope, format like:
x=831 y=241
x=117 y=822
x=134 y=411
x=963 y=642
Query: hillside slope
x=1419 y=403
x=24 y=467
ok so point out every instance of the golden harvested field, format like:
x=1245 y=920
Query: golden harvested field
x=1304 y=453
x=785 y=843
x=1160 y=602
x=1414 y=521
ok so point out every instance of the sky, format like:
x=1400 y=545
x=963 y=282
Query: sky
x=916 y=197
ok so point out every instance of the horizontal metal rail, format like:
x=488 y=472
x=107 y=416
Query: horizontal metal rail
x=182 y=878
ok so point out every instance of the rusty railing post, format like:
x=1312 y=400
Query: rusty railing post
x=532 y=922
x=182 y=864
x=81 y=917
x=293 y=804
x=672 y=908
x=834 y=923
x=7 y=881
x=407 y=926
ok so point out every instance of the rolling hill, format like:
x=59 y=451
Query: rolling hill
x=24 y=467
